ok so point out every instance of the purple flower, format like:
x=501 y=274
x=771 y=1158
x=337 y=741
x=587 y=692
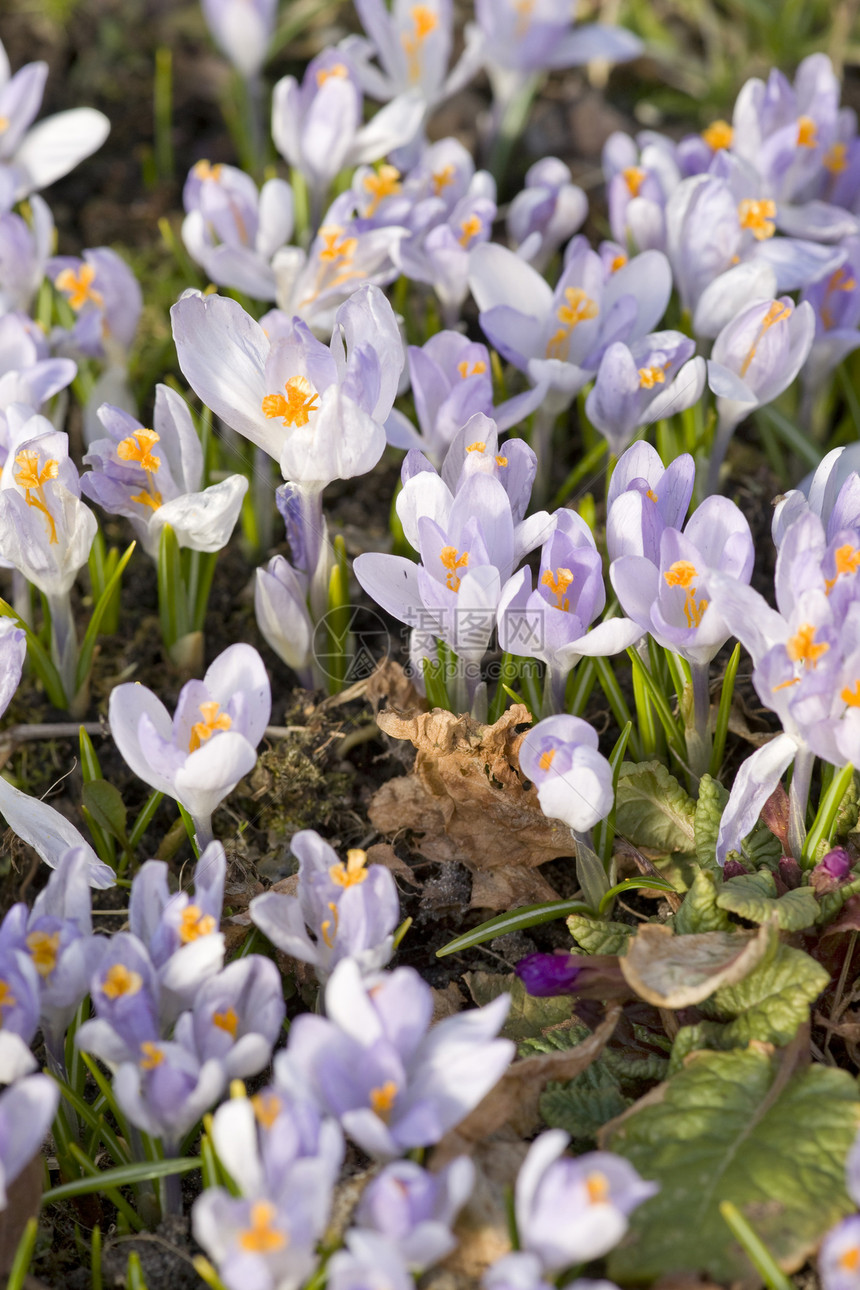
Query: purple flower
x=242 y=30
x=519 y=1271
x=25 y=246
x=19 y=1013
x=572 y=1211
x=644 y=499
x=839 y=1255
x=414 y=1210
x=640 y=177
x=281 y=609
x=256 y=1243
x=545 y=975
x=106 y=297
x=547 y=211
x=199 y=755
x=26 y=1112
x=352 y=909
x=654 y=377
x=237 y=1017
x=373 y=1065
x=166 y=1089
x=368 y=1260
x=574 y=781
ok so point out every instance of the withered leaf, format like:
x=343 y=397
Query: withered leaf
x=677 y=971
x=466 y=799
x=24 y=1198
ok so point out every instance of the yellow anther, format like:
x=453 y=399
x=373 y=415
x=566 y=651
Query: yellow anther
x=29 y=477
x=424 y=20
x=651 y=376
x=193 y=924
x=226 y=1021
x=470 y=228
x=335 y=264
x=329 y=926
x=801 y=647
x=477 y=446
x=847 y=560
x=807 y=132
x=545 y=759
x=204 y=170
x=442 y=178
x=237 y=1090
x=335 y=245
x=79 y=286
x=44 y=947
x=351 y=873
x=382 y=1099
x=850 y=1260
x=840 y=280
x=649 y=492
x=152 y=1056
x=382 y=183
x=718 y=135
x=120 y=981
x=4 y=124
x=138 y=447
x=338 y=71
x=579 y=308
x=7 y=998
x=776 y=313
x=261 y=1237
x=618 y=262
x=477 y=369
x=451 y=562
x=213 y=721
x=501 y=461
x=758 y=217
x=597 y=1186
x=524 y=16
x=835 y=158
x=851 y=697
x=558 y=585
x=267 y=1108
x=681 y=574
x=296 y=406
x=634 y=178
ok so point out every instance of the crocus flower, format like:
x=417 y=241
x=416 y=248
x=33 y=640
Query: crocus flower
x=640 y=178
x=33 y=156
x=373 y=1065
x=166 y=1090
x=280 y=605
x=572 y=1211
x=26 y=1112
x=233 y=229
x=199 y=755
x=25 y=246
x=519 y=1271
x=415 y=1210
x=574 y=781
x=236 y=1017
x=546 y=212
x=317 y=126
x=636 y=385
x=256 y=1242
x=181 y=933
x=450 y=379
x=644 y=498
x=126 y=998
x=352 y=909
x=28 y=374
x=832 y=493
x=755 y=357
x=242 y=30
x=19 y=1014
x=839 y=1255
x=835 y=299
x=368 y=1259
x=153 y=476
x=106 y=298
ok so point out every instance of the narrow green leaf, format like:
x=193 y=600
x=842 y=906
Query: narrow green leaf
x=90 y=768
x=85 y=657
x=604 y=832
x=122 y=1176
x=515 y=921
x=104 y=803
x=23 y=1256
x=144 y=819
x=172 y=593
x=631 y=884
x=721 y=727
x=826 y=814
x=135 y=1279
x=96 y=1259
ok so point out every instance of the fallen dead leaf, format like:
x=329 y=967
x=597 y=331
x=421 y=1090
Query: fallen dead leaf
x=677 y=971
x=384 y=853
x=467 y=801
x=482 y=1226
x=447 y=1002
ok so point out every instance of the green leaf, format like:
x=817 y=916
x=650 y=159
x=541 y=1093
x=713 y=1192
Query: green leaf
x=583 y=1105
x=634 y=884
x=830 y=902
x=104 y=803
x=700 y=912
x=652 y=809
x=528 y=1016
x=729 y=1128
x=709 y=810
x=762 y=848
x=560 y=1039
x=515 y=921
x=172 y=592
x=773 y=1001
x=597 y=936
x=85 y=657
x=124 y=1176
x=629 y=1066
x=753 y=896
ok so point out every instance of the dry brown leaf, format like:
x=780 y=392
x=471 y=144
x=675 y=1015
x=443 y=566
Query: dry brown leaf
x=482 y=1225
x=513 y=1102
x=466 y=797
x=447 y=1002
x=384 y=853
x=677 y=971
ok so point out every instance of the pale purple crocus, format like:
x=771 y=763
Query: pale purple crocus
x=166 y=1090
x=518 y=1271
x=236 y=1017
x=546 y=212
x=34 y=156
x=199 y=755
x=181 y=932
x=257 y=1244
x=832 y=493
x=233 y=229
x=839 y=1255
x=318 y=125
x=573 y=780
x=638 y=384
x=350 y=907
x=574 y=1210
x=415 y=1210
x=450 y=379
x=552 y=621
x=375 y=1065
x=26 y=1112
x=368 y=1259
x=242 y=30
x=754 y=358
x=126 y=999
x=644 y=498
x=152 y=476
x=836 y=302
x=106 y=298
x=25 y=246
x=641 y=175
x=19 y=1013
x=28 y=374
x=281 y=609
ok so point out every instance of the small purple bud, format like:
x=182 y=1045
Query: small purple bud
x=836 y=864
x=733 y=869
x=790 y=872
x=548 y=974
